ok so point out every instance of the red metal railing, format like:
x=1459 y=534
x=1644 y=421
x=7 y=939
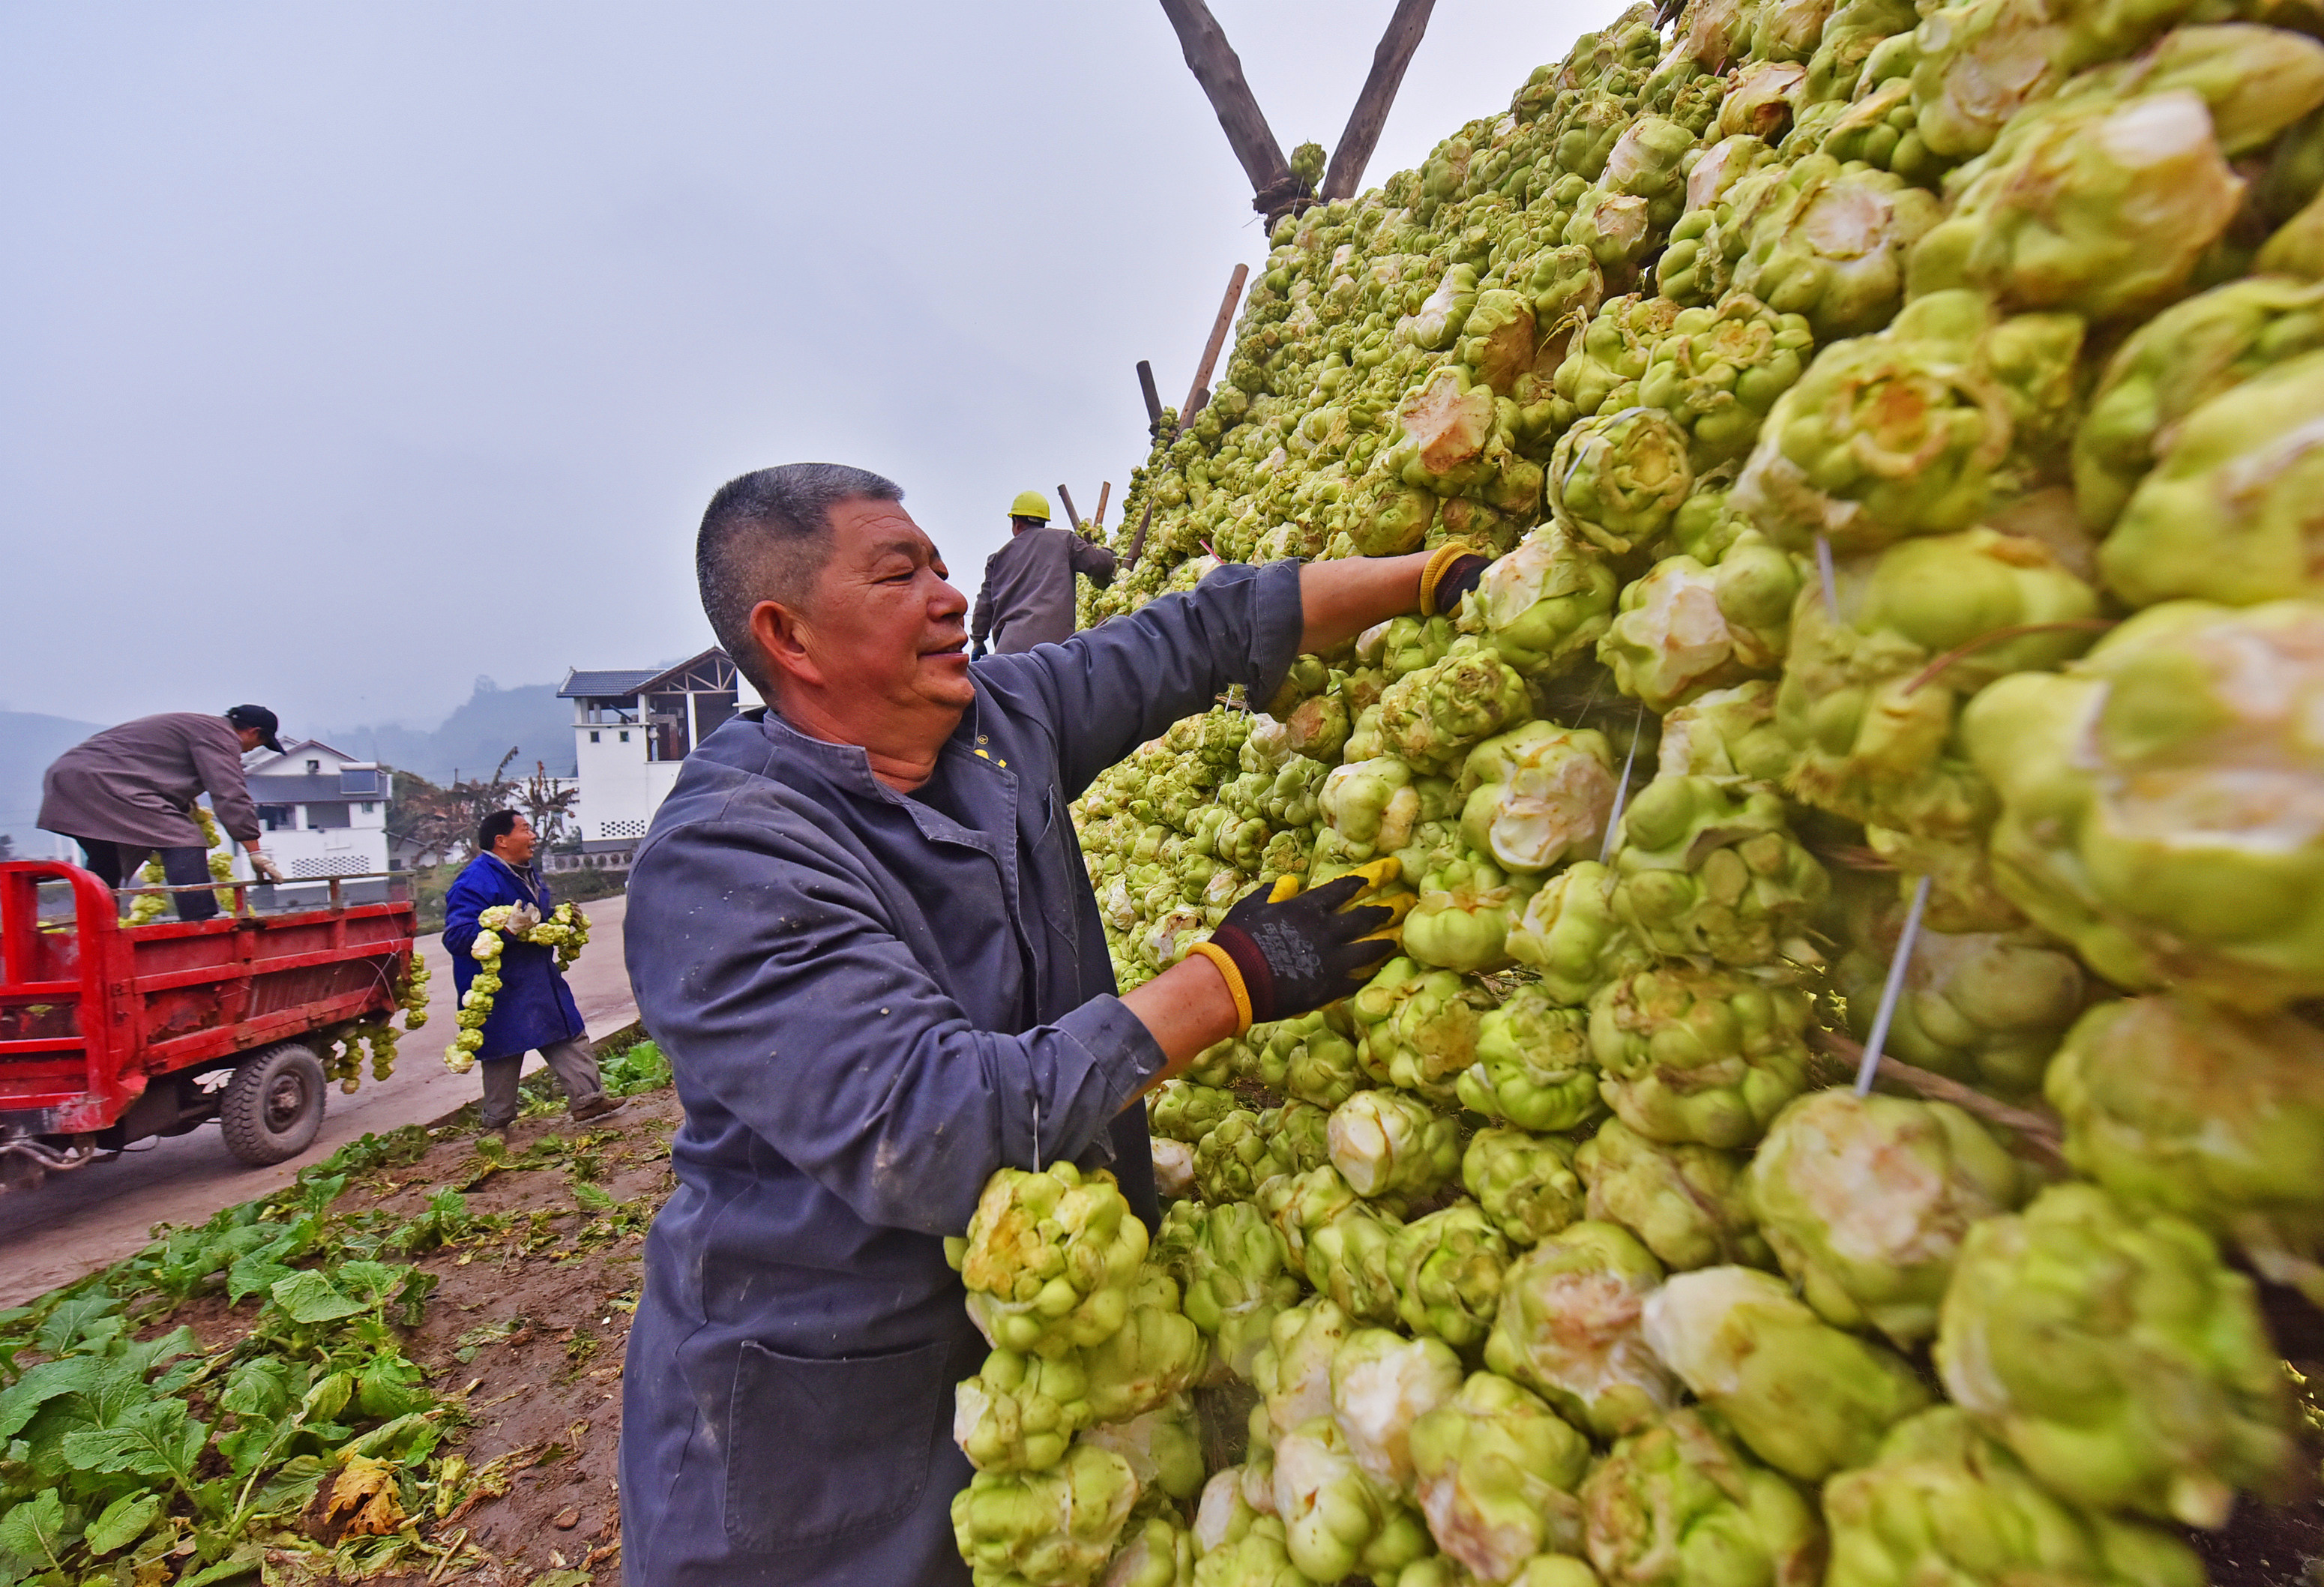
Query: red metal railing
x=91 y=1008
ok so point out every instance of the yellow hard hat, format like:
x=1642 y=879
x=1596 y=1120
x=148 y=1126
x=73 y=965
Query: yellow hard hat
x=1030 y=504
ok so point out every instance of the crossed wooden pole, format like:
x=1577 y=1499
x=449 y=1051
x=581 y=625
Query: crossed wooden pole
x=1276 y=190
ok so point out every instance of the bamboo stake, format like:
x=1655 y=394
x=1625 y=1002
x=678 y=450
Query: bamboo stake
x=1200 y=393
x=2037 y=1130
x=1868 y=1068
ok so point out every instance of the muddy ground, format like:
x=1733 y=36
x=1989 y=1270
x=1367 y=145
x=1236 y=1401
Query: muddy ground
x=526 y=1330
x=532 y=1333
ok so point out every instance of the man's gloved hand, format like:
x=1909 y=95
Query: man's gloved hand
x=264 y=868
x=1451 y=573
x=976 y=652
x=523 y=919
x=1288 y=953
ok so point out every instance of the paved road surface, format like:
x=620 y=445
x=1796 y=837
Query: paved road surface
x=82 y=1221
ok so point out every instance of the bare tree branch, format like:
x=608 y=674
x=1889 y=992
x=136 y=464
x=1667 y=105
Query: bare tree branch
x=545 y=804
x=441 y=822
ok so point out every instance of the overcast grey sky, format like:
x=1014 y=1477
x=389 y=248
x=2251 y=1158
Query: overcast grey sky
x=348 y=352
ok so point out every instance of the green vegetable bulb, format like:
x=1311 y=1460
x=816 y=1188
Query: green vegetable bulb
x=1808 y=1398
x=2117 y=1357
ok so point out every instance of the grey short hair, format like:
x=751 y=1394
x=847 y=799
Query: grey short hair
x=765 y=537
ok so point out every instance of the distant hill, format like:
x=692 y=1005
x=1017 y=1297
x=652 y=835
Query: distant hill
x=472 y=740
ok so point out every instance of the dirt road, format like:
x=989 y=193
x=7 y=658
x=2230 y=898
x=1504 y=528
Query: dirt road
x=82 y=1221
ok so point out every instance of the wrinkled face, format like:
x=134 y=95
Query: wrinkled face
x=517 y=845
x=886 y=631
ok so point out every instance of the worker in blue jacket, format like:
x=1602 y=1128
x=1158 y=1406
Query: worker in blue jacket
x=534 y=1009
x=860 y=928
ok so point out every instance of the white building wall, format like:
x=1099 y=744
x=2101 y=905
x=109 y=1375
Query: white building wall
x=621 y=786
x=333 y=851
x=306 y=850
x=619 y=792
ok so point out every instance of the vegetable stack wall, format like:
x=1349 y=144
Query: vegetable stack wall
x=1899 y=436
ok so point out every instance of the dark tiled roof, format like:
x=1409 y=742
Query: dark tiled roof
x=606 y=686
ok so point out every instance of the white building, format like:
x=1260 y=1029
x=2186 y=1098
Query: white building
x=324 y=812
x=632 y=729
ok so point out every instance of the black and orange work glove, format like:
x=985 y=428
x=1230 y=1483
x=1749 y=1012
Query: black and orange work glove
x=1285 y=951
x=1452 y=571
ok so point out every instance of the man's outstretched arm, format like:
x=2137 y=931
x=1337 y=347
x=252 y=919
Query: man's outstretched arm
x=1340 y=599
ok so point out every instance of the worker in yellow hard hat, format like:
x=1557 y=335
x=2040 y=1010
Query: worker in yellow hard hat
x=1028 y=598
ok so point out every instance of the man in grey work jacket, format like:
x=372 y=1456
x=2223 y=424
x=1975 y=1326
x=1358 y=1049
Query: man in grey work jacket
x=128 y=792
x=1026 y=598
x=861 y=930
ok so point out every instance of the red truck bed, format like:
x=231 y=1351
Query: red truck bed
x=93 y=1011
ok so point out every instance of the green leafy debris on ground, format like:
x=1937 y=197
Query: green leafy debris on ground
x=342 y=1381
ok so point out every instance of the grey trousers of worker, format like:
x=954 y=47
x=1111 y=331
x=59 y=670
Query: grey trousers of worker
x=573 y=1063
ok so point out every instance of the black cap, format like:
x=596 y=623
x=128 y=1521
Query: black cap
x=262 y=719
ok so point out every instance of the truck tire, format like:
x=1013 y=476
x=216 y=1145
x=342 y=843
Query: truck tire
x=273 y=1107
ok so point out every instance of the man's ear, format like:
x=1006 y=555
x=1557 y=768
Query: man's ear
x=784 y=639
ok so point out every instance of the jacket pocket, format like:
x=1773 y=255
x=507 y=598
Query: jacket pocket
x=820 y=1450
x=1061 y=876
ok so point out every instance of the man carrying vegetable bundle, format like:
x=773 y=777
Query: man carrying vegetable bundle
x=533 y=1008
x=861 y=929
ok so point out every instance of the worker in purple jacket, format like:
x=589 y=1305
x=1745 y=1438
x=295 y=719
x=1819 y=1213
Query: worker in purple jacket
x=861 y=929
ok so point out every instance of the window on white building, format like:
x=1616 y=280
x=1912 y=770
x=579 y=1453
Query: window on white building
x=370 y=807
x=314 y=767
x=594 y=737
x=625 y=738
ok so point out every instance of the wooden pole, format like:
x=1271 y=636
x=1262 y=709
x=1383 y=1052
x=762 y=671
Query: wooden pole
x=1137 y=541
x=1146 y=388
x=1219 y=70
x=1200 y=393
x=1370 y=113
x=1072 y=517
x=1104 y=489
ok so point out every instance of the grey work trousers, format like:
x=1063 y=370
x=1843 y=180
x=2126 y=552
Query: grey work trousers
x=573 y=1063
